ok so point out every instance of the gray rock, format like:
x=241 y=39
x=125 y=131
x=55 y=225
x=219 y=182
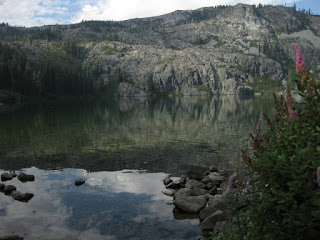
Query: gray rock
x=23 y=177
x=215 y=178
x=210 y=222
x=2 y=186
x=215 y=199
x=183 y=192
x=213 y=169
x=198 y=191
x=167 y=180
x=191 y=183
x=174 y=185
x=213 y=190
x=9 y=189
x=217 y=205
x=193 y=204
x=209 y=186
x=6 y=177
x=194 y=175
x=24 y=197
x=79 y=182
x=169 y=192
x=205 y=180
x=183 y=180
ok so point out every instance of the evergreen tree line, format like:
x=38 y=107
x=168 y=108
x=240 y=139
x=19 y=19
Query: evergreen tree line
x=56 y=69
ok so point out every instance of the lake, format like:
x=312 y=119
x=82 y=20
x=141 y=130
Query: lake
x=123 y=149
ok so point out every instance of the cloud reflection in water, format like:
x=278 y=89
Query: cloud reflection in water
x=111 y=205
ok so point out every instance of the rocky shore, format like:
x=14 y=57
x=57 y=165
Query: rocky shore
x=213 y=196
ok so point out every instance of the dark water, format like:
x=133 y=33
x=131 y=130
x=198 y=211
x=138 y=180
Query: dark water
x=123 y=149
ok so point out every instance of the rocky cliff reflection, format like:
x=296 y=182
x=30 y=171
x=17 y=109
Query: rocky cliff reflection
x=170 y=135
x=110 y=205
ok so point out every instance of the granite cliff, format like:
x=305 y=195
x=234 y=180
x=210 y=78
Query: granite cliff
x=214 y=50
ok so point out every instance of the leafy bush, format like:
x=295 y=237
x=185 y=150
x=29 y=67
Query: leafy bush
x=284 y=191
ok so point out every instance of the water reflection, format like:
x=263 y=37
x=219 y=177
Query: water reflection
x=111 y=205
x=171 y=135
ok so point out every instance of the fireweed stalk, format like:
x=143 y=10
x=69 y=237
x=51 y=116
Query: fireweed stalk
x=284 y=194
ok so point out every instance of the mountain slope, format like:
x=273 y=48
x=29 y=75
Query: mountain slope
x=224 y=50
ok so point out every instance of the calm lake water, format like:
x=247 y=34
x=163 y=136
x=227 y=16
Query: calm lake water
x=123 y=149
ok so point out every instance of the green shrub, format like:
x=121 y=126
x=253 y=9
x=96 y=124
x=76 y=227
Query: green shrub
x=284 y=191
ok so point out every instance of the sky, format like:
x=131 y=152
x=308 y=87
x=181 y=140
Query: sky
x=30 y=13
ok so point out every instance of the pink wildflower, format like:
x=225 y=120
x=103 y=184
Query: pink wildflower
x=230 y=185
x=310 y=147
x=292 y=113
x=259 y=125
x=318 y=176
x=300 y=61
x=245 y=181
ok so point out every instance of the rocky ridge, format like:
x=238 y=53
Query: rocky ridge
x=214 y=50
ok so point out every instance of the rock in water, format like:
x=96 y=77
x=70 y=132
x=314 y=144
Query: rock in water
x=193 y=204
x=2 y=186
x=79 y=182
x=24 y=197
x=6 y=177
x=23 y=177
x=169 y=192
x=9 y=189
x=167 y=180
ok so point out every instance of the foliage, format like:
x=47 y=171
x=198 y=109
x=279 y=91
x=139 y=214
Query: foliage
x=43 y=69
x=284 y=191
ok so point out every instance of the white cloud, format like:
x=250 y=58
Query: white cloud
x=31 y=12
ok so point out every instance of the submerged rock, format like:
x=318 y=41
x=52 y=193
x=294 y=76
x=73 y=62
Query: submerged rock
x=6 y=177
x=9 y=189
x=193 y=204
x=22 y=197
x=23 y=177
x=79 y=182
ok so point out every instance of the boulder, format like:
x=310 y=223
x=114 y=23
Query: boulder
x=194 y=175
x=215 y=178
x=174 y=185
x=192 y=183
x=210 y=222
x=205 y=180
x=193 y=204
x=23 y=177
x=6 y=177
x=9 y=189
x=167 y=180
x=215 y=199
x=213 y=191
x=209 y=186
x=218 y=205
x=183 y=192
x=169 y=192
x=213 y=169
x=2 y=186
x=24 y=197
x=198 y=191
x=79 y=182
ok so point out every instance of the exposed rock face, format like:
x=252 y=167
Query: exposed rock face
x=214 y=50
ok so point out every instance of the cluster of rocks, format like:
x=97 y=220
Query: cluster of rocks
x=208 y=195
x=11 y=190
